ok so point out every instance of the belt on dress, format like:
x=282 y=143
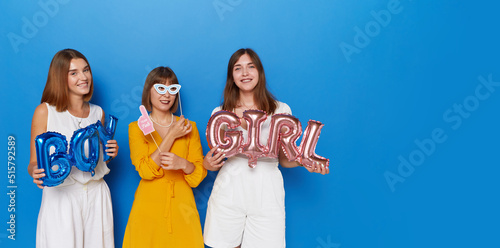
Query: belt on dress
x=168 y=206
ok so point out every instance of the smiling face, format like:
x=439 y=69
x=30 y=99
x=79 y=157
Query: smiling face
x=162 y=102
x=79 y=77
x=245 y=74
x=160 y=76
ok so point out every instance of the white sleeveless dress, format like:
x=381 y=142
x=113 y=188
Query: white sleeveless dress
x=247 y=205
x=78 y=212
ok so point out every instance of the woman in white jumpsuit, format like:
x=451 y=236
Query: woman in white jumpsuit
x=246 y=207
x=76 y=213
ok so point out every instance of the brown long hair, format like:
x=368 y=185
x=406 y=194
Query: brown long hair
x=263 y=98
x=159 y=75
x=56 y=88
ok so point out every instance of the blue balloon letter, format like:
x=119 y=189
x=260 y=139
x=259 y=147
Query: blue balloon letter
x=57 y=165
x=77 y=148
x=106 y=133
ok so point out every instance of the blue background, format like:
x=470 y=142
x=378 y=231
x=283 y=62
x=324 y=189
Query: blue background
x=406 y=79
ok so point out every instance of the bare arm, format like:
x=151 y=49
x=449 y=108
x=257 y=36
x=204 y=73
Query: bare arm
x=317 y=168
x=285 y=162
x=165 y=159
x=213 y=162
x=38 y=126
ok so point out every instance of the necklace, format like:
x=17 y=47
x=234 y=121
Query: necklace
x=79 y=119
x=171 y=121
x=247 y=107
x=79 y=122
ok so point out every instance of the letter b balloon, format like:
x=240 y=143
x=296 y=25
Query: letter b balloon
x=57 y=165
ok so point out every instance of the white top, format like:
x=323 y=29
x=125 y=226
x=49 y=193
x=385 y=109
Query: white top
x=66 y=124
x=282 y=108
x=248 y=204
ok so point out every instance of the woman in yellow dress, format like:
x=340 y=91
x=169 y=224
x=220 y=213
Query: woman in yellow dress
x=164 y=212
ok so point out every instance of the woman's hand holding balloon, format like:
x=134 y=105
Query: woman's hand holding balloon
x=112 y=148
x=214 y=162
x=37 y=174
x=318 y=168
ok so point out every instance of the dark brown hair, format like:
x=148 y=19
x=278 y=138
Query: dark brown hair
x=56 y=88
x=263 y=98
x=159 y=75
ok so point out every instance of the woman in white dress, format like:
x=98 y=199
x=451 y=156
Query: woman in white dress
x=76 y=213
x=246 y=207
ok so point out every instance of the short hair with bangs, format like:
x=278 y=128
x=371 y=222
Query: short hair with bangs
x=159 y=75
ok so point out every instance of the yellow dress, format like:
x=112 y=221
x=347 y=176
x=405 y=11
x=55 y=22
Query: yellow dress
x=164 y=212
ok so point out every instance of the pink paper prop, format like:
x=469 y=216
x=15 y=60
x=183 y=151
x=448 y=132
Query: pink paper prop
x=284 y=131
x=146 y=125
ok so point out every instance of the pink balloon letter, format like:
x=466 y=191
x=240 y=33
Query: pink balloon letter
x=308 y=145
x=287 y=139
x=252 y=148
x=232 y=139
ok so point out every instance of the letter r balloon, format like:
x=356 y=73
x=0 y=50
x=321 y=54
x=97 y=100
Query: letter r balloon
x=286 y=140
